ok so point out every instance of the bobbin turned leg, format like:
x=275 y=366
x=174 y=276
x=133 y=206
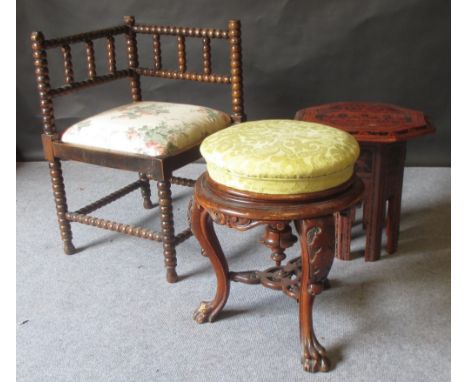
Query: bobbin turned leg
x=145 y=191
x=58 y=189
x=317 y=238
x=202 y=227
x=167 y=229
x=278 y=237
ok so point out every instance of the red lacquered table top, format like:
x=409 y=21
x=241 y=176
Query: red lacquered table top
x=370 y=122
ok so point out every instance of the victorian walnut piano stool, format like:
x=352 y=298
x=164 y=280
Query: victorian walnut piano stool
x=272 y=173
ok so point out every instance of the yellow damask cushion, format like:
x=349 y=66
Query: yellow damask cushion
x=148 y=128
x=280 y=156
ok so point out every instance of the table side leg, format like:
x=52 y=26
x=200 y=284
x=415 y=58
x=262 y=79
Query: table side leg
x=394 y=202
x=375 y=205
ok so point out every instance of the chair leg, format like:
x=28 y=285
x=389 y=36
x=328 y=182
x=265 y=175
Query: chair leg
x=145 y=191
x=58 y=189
x=167 y=229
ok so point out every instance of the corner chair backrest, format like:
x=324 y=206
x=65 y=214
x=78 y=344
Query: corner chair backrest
x=131 y=30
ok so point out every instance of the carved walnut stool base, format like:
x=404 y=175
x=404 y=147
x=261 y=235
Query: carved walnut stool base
x=313 y=216
x=382 y=131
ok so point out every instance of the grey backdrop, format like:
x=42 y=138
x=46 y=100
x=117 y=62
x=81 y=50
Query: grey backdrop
x=295 y=54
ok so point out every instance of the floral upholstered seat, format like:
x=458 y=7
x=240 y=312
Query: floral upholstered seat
x=280 y=156
x=148 y=128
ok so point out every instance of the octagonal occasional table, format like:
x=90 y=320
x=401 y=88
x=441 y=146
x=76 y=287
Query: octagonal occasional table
x=382 y=131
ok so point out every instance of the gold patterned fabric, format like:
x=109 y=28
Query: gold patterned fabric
x=148 y=128
x=280 y=156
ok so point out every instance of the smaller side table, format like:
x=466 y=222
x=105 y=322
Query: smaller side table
x=382 y=131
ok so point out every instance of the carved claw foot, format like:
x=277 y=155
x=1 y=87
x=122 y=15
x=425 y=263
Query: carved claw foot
x=315 y=357
x=204 y=313
x=321 y=364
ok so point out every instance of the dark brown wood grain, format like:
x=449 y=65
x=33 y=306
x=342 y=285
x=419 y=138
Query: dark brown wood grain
x=206 y=56
x=317 y=237
x=343 y=224
x=236 y=70
x=80 y=85
x=167 y=229
x=181 y=59
x=83 y=37
x=132 y=56
x=383 y=178
x=145 y=191
x=157 y=52
x=382 y=131
x=112 y=197
x=278 y=237
x=41 y=71
x=58 y=189
x=302 y=278
x=67 y=63
x=111 y=63
x=181 y=31
x=91 y=62
x=159 y=169
x=370 y=121
x=188 y=76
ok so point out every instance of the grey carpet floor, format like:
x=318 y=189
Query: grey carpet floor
x=107 y=313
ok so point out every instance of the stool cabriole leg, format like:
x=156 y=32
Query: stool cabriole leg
x=317 y=238
x=167 y=230
x=202 y=228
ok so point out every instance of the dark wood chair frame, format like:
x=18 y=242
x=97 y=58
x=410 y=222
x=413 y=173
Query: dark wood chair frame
x=149 y=168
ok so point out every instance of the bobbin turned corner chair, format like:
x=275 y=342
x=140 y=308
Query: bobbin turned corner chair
x=152 y=158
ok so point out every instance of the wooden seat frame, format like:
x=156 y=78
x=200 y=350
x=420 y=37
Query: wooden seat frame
x=149 y=168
